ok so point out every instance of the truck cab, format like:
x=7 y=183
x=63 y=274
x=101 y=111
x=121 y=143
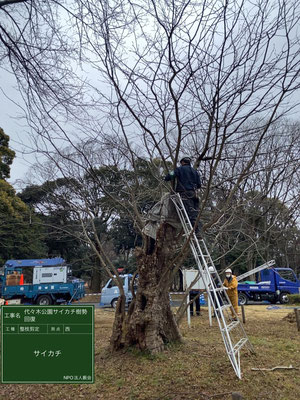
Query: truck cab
x=272 y=284
x=286 y=283
x=110 y=293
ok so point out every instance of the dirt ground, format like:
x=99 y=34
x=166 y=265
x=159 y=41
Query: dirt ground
x=197 y=369
x=90 y=298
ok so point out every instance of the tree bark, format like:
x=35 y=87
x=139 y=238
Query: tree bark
x=116 y=339
x=150 y=323
x=96 y=279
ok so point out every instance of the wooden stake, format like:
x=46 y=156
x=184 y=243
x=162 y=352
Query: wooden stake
x=188 y=310
x=243 y=314
x=297 y=313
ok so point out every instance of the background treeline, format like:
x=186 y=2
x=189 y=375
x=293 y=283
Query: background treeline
x=62 y=215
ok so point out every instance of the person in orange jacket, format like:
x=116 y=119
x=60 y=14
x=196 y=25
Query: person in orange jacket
x=231 y=283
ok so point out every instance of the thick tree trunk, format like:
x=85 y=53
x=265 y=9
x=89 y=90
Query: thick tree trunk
x=150 y=323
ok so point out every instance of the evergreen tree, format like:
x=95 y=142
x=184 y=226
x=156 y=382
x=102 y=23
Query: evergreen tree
x=6 y=155
x=21 y=233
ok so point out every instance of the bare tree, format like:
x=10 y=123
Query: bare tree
x=166 y=78
x=264 y=209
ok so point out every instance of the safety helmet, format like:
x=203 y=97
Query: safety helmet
x=211 y=269
x=228 y=271
x=186 y=160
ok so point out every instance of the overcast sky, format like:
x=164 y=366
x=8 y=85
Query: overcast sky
x=14 y=126
x=17 y=129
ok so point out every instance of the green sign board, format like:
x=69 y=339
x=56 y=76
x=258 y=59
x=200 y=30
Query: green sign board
x=47 y=344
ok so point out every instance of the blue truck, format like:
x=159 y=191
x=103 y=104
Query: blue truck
x=39 y=281
x=272 y=284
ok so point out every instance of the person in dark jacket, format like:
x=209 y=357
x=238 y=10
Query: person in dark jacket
x=187 y=182
x=196 y=301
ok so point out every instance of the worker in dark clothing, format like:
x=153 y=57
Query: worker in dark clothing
x=187 y=182
x=193 y=294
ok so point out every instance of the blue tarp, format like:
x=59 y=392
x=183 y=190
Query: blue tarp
x=43 y=262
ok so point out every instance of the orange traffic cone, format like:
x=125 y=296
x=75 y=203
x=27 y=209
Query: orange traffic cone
x=21 y=280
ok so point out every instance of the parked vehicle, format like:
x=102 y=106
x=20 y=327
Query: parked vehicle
x=273 y=284
x=110 y=293
x=39 y=281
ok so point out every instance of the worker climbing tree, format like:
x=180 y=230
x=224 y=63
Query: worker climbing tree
x=187 y=183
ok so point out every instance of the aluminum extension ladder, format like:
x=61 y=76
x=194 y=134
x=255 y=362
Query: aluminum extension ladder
x=231 y=328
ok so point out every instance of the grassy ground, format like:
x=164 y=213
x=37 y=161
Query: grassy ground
x=197 y=369
x=90 y=298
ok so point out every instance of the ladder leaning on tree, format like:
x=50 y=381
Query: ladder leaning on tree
x=232 y=331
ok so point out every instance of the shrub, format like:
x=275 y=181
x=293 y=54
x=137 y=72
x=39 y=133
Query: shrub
x=294 y=298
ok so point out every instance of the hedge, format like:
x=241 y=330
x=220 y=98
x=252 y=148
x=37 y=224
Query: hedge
x=294 y=298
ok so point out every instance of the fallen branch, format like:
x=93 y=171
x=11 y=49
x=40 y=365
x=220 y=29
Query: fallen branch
x=274 y=368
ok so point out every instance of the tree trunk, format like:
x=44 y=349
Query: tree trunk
x=116 y=340
x=150 y=323
x=96 y=280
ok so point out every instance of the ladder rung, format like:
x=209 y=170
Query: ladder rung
x=239 y=345
x=186 y=234
x=217 y=290
x=231 y=326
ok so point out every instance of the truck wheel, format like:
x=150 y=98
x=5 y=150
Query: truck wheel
x=114 y=303
x=243 y=299
x=44 y=300
x=283 y=298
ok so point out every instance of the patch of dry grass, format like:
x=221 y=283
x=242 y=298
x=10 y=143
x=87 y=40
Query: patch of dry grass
x=90 y=298
x=197 y=369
